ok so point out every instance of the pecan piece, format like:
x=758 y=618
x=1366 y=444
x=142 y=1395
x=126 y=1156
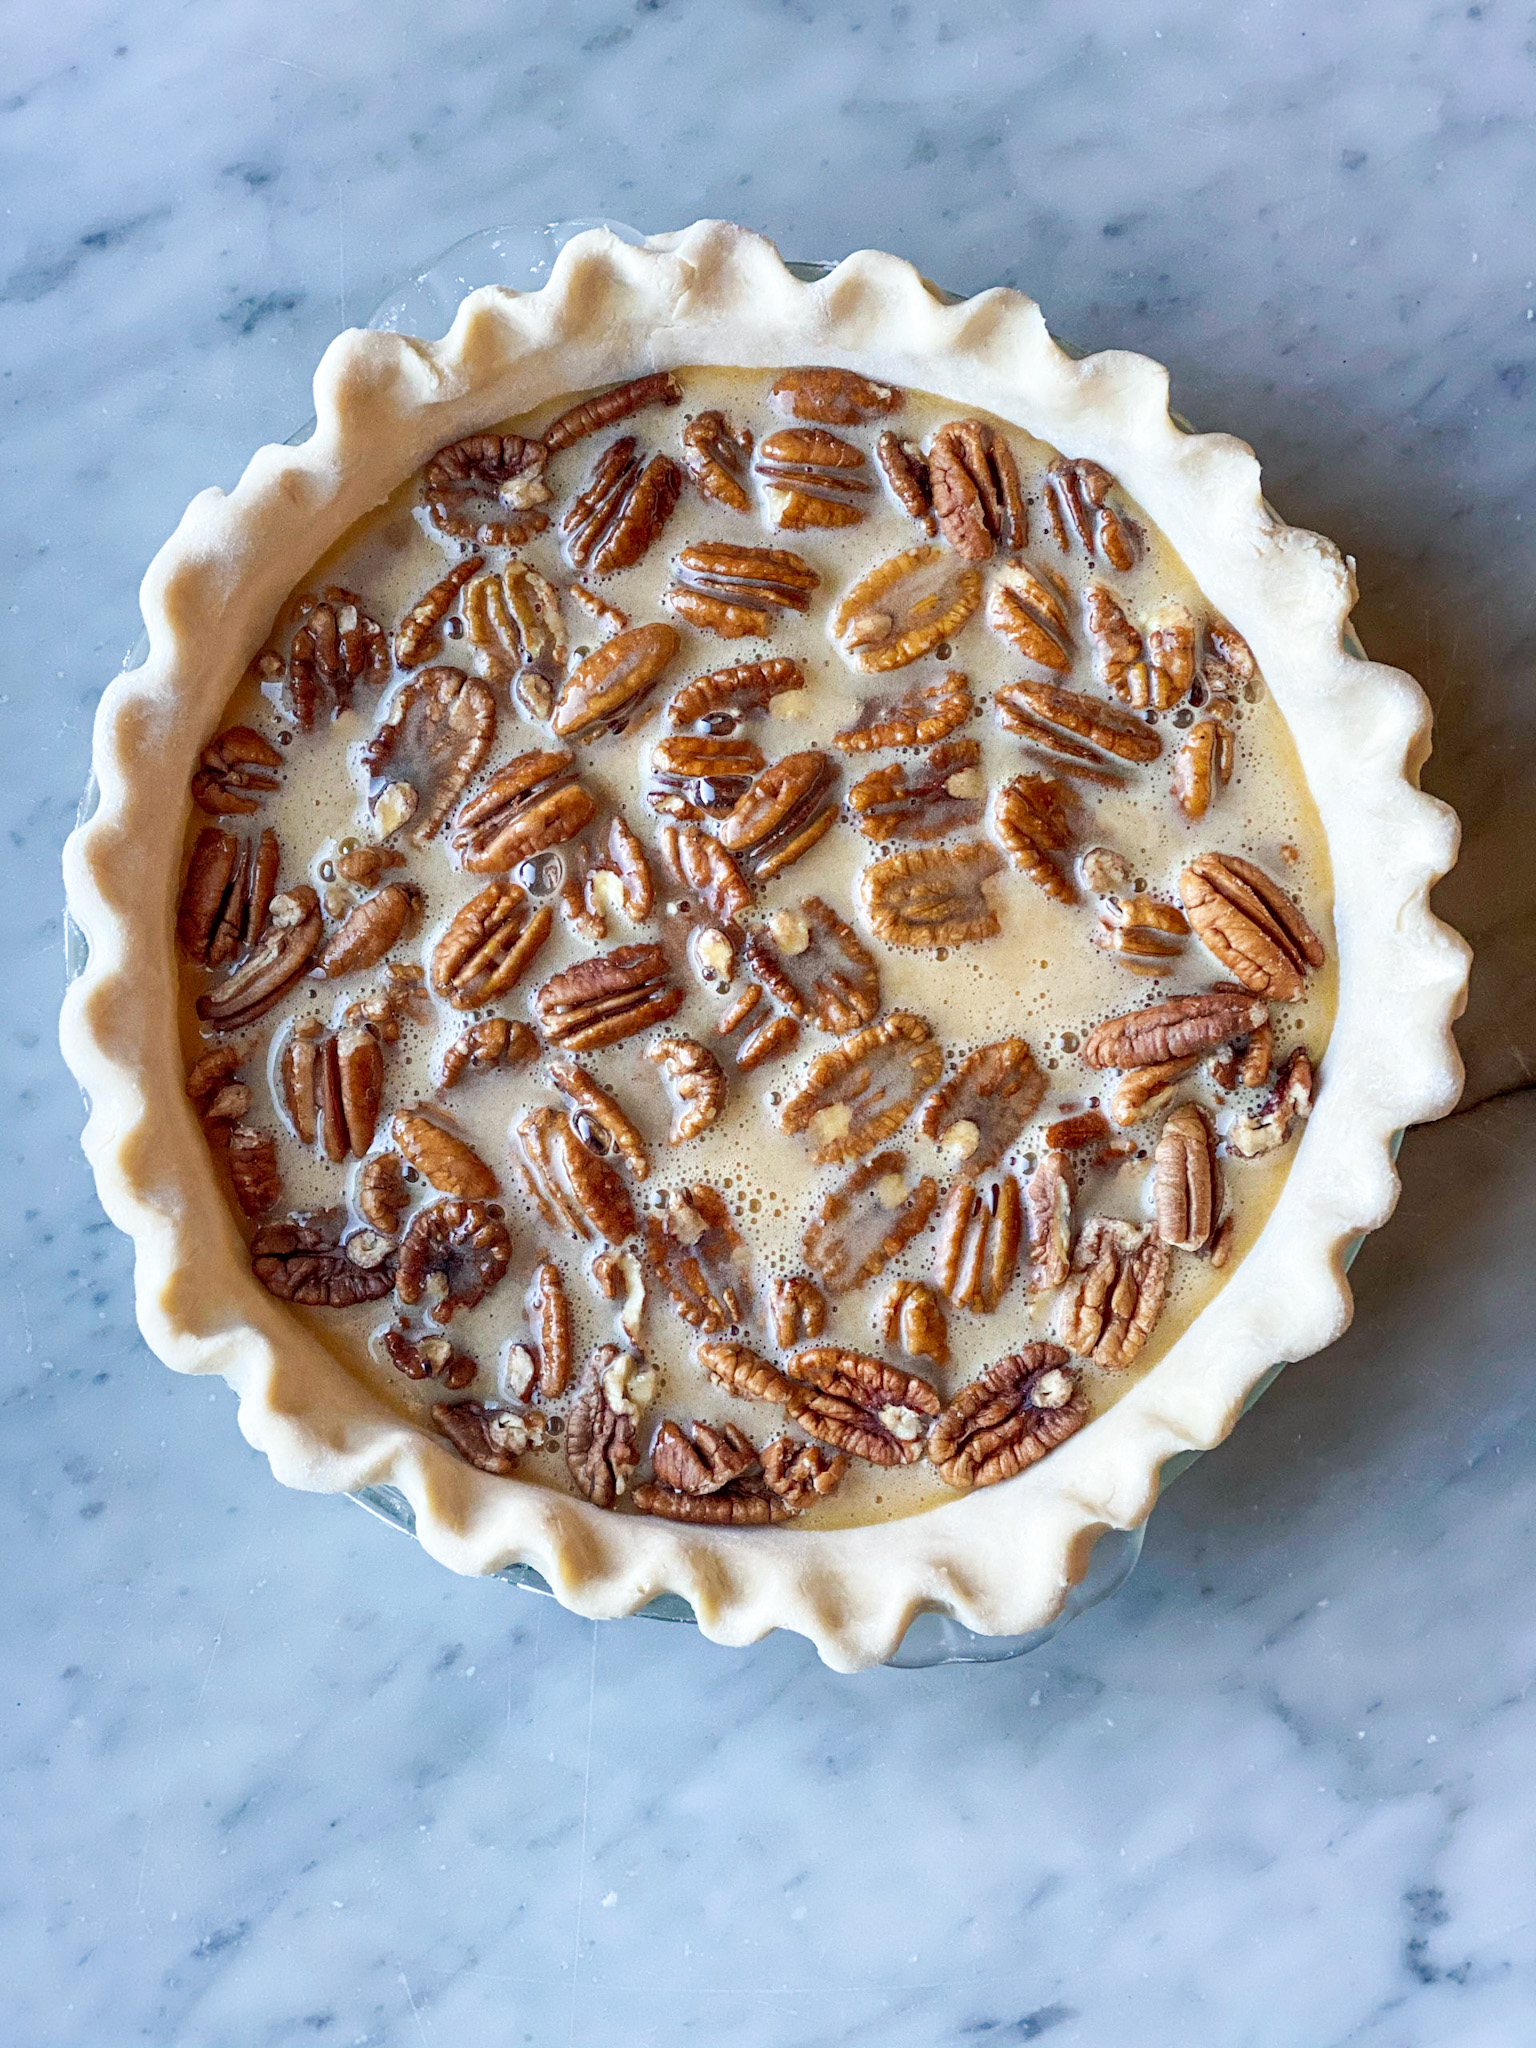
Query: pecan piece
x=304 y=1261
x=430 y=1358
x=550 y=1312
x=742 y=1372
x=1077 y=503
x=703 y=866
x=494 y=1042
x=452 y=1256
x=489 y=943
x=401 y=1000
x=1033 y=817
x=610 y=686
x=515 y=625
x=768 y=1040
x=591 y=415
x=932 y=896
x=235 y=771
x=382 y=1195
x=1288 y=1105
x=996 y=1426
x=791 y=804
x=369 y=930
x=700 y=1258
x=912 y=1319
x=602 y=1446
x=859 y=1093
x=904 y=608
x=729 y=694
x=863 y=1224
x=488 y=488
x=1148 y=936
x=703 y=1462
x=906 y=471
x=974 y=481
x=608 y=998
x=1029 y=611
x=490 y=1439
x=930 y=712
x=1048 y=1197
x=925 y=799
x=571 y=1186
x=335 y=647
x=1072 y=1133
x=253 y=1169
x=1143 y=1091
x=227 y=896
x=444 y=1161
x=813 y=478
x=216 y=1092
x=1073 y=733
x=977 y=1251
x=701 y=775
x=861 y=1405
x=1170 y=656
x=527 y=808
x=733 y=591
x=292 y=934
x=800 y=1474
x=987 y=1101
x=420 y=633
x=1253 y=927
x=695 y=1085
x=622 y=510
x=817 y=966
x=597 y=1118
x=837 y=398
x=1122 y=1279
x=437 y=732
x=715 y=455
x=598 y=608
x=1203 y=766
x=1118 y=662
x=367 y=865
x=1184 y=1026
x=797 y=1309
x=1187 y=1180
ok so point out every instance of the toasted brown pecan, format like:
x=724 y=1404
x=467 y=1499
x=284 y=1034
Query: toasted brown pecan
x=235 y=771
x=591 y=415
x=598 y=608
x=1229 y=661
x=695 y=1084
x=704 y=1461
x=791 y=804
x=452 y=1256
x=932 y=896
x=906 y=471
x=420 y=631
x=866 y=1221
x=1187 y=1180
x=700 y=775
x=741 y=1371
x=1253 y=927
x=702 y=866
x=861 y=1405
x=1122 y=1278
x=253 y=1170
x=382 y=1196
x=862 y=1091
x=1033 y=817
x=1077 y=503
x=529 y=807
x=292 y=934
x=719 y=699
x=985 y=1103
x=490 y=1439
x=925 y=799
x=977 y=1250
x=443 y=1160
x=1029 y=610
x=770 y=1039
x=369 y=930
x=429 y=1358
x=616 y=878
x=1143 y=1091
x=927 y=713
x=715 y=455
x=1005 y=1421
x=797 y=1309
x=398 y=998
x=623 y=509
x=1119 y=665
x=487 y=488
x=1182 y=1027
x=227 y=895
x=608 y=998
x=437 y=732
x=488 y=945
x=838 y=398
x=215 y=1090
x=610 y=687
x=974 y=481
x=304 y=1260
x=904 y=608
x=1290 y=1103
x=746 y=1503
x=1072 y=1133
x=814 y=478
x=549 y=1311
x=817 y=966
x=367 y=865
x=332 y=1085
x=597 y=1118
x=518 y=634
x=733 y=591
x=1073 y=732
x=1149 y=937
x=700 y=1257
x=483 y=1047
x=911 y=1319
x=335 y=647
x=602 y=1442
x=1203 y=766
x=1048 y=1196
x=572 y=1187
x=1170 y=655
x=800 y=1474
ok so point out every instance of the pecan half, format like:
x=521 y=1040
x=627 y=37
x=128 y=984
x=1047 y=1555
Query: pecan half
x=770 y=1039
x=703 y=1462
x=335 y=647
x=906 y=471
x=700 y=1258
x=715 y=455
x=1184 y=1026
x=904 y=608
x=1048 y=1197
x=1073 y=733
x=1289 y=1104
x=490 y=1439
x=429 y=1358
x=515 y=625
x=444 y=1161
x=932 y=896
x=924 y=799
x=838 y=398
x=742 y=1372
x=930 y=712
x=1228 y=660
x=797 y=1309
x=608 y=998
x=623 y=509
x=1029 y=611
x=215 y=1090
x=991 y=1096
x=488 y=488
x=494 y=1042
x=571 y=1186
x=602 y=1446
x=813 y=477
x=862 y=1091
x=382 y=1195
x=912 y=1319
x=303 y=1260
x=1072 y=1133
x=698 y=775
x=1005 y=1421
x=791 y=804
x=227 y=895
x=817 y=966
x=1187 y=1180
x=729 y=694
x=974 y=481
x=1033 y=817
x=977 y=1251
x=1253 y=927
x=436 y=734
x=1122 y=1279
x=420 y=632
x=800 y=1474
x=695 y=1085
x=488 y=945
x=527 y=808
x=746 y=1503
x=332 y=1085
x=550 y=1313
x=452 y=1256
x=253 y=1170
x=369 y=930
x=235 y=771
x=597 y=1118
x=1143 y=1091
x=1149 y=937
x=610 y=686
x=863 y=1224
x=292 y=934
x=861 y=1405
x=591 y=415
x=702 y=866
x=1077 y=503
x=1203 y=766
x=733 y=591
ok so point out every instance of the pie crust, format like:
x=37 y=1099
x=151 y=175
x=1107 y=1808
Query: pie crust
x=1000 y=1560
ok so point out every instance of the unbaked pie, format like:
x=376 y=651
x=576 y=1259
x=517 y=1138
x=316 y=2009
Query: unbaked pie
x=773 y=877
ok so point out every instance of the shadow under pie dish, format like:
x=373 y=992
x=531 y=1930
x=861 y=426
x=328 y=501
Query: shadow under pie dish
x=796 y=951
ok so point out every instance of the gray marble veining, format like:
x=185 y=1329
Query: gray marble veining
x=269 y=1774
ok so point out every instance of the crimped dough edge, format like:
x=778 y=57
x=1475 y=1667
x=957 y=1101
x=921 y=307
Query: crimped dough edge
x=1001 y=1560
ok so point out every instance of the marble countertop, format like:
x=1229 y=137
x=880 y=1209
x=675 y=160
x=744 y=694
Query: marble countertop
x=271 y=1776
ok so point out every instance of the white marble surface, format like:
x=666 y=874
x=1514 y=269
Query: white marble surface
x=269 y=1776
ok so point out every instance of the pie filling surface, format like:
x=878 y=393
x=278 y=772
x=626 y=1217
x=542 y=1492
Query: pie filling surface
x=753 y=948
